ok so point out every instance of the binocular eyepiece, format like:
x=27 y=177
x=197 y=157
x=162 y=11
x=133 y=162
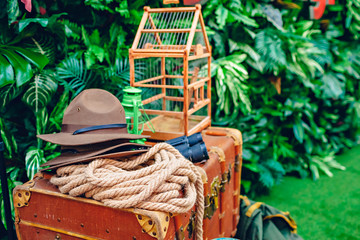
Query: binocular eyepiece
x=191 y=147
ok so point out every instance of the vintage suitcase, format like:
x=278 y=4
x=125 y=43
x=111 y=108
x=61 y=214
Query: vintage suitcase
x=42 y=212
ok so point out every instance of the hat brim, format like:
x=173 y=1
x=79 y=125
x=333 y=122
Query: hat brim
x=116 y=151
x=68 y=139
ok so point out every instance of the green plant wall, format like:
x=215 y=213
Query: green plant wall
x=49 y=55
x=316 y=115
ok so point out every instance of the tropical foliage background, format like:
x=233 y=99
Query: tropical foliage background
x=52 y=50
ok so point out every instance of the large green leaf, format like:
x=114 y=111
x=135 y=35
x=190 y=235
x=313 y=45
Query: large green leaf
x=37 y=59
x=40 y=91
x=16 y=64
x=22 y=68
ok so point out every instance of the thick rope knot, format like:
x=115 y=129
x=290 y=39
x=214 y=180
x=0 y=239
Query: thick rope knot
x=158 y=180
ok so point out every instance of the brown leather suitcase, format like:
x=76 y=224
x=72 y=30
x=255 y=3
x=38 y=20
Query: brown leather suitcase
x=42 y=212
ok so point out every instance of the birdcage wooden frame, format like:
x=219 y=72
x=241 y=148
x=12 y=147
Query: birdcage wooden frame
x=196 y=90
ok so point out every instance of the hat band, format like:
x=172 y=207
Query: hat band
x=98 y=127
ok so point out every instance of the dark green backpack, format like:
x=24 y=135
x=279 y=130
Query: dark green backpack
x=263 y=222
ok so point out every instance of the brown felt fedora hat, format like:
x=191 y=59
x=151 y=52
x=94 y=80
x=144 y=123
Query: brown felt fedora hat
x=94 y=116
x=86 y=153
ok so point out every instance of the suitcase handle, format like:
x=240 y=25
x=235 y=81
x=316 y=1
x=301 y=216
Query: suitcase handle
x=215 y=133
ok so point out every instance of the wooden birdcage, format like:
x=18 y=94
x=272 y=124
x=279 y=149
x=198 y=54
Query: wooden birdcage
x=170 y=61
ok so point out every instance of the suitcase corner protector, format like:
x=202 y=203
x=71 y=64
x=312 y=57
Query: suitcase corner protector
x=22 y=194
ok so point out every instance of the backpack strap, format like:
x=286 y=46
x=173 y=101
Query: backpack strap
x=286 y=217
x=252 y=208
x=245 y=199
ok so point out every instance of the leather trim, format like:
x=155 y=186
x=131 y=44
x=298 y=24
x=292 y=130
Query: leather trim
x=253 y=208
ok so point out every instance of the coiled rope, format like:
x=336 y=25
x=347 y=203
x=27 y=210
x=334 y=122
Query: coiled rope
x=139 y=183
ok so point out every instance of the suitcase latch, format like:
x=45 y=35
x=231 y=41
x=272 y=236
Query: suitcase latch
x=225 y=178
x=212 y=200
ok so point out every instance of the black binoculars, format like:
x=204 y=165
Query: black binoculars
x=191 y=147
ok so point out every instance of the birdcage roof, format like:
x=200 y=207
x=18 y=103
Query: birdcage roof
x=171 y=30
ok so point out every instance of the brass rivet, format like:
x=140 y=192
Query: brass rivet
x=37 y=231
x=134 y=238
x=59 y=220
x=143 y=230
x=78 y=109
x=19 y=195
x=164 y=229
x=26 y=204
x=107 y=230
x=82 y=225
x=139 y=217
x=19 y=204
x=35 y=215
x=57 y=236
x=154 y=233
x=150 y=222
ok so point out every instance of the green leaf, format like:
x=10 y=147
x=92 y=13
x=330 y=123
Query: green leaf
x=39 y=60
x=242 y=18
x=12 y=10
x=21 y=67
x=221 y=16
x=73 y=75
x=98 y=52
x=332 y=86
x=270 y=47
x=298 y=131
x=72 y=29
x=33 y=159
x=94 y=38
x=42 y=118
x=40 y=91
x=7 y=137
x=20 y=61
x=246 y=185
x=6 y=72
x=253 y=167
x=8 y=93
x=25 y=22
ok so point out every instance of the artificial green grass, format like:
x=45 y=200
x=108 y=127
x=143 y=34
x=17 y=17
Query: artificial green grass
x=328 y=208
